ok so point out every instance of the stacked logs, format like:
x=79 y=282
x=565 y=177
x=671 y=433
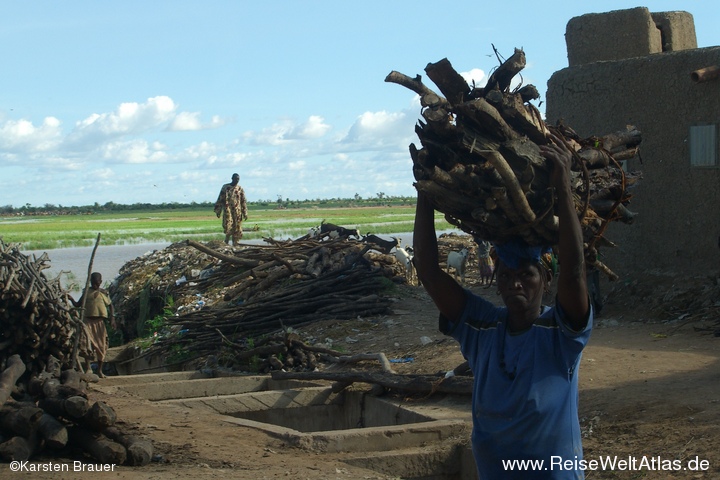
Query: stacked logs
x=44 y=407
x=52 y=415
x=36 y=319
x=480 y=161
x=271 y=288
x=237 y=275
x=255 y=271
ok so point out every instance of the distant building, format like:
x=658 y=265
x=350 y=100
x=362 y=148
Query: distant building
x=636 y=67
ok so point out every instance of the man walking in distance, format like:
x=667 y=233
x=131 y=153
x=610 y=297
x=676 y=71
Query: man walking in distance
x=231 y=204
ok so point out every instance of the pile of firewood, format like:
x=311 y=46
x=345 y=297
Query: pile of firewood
x=248 y=276
x=480 y=161
x=255 y=271
x=266 y=289
x=51 y=415
x=36 y=320
x=44 y=406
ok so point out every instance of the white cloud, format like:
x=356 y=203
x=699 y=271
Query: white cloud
x=186 y=121
x=216 y=158
x=315 y=127
x=272 y=135
x=129 y=118
x=380 y=129
x=262 y=173
x=236 y=158
x=134 y=151
x=475 y=75
x=22 y=135
x=202 y=150
x=190 y=121
x=57 y=163
x=102 y=173
x=298 y=165
x=288 y=130
x=346 y=161
x=190 y=176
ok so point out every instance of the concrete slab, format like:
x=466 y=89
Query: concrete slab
x=152 y=378
x=375 y=439
x=184 y=385
x=446 y=462
x=415 y=439
x=257 y=401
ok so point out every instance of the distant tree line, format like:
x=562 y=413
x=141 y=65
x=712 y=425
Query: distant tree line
x=355 y=202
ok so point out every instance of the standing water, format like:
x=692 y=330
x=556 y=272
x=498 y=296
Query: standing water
x=108 y=261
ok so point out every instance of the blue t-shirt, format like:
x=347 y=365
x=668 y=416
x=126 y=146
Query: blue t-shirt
x=525 y=394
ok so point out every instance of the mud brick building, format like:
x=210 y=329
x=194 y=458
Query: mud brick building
x=641 y=68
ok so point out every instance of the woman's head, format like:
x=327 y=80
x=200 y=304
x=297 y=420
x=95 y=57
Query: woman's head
x=522 y=288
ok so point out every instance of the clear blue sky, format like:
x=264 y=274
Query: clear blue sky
x=162 y=101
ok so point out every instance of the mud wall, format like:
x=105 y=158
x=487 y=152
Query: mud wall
x=620 y=34
x=678 y=226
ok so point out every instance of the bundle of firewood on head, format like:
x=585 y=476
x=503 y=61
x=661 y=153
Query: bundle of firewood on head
x=480 y=162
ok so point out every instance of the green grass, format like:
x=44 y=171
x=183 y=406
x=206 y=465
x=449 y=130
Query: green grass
x=158 y=226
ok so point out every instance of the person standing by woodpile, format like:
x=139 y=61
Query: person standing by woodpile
x=97 y=310
x=524 y=356
x=231 y=204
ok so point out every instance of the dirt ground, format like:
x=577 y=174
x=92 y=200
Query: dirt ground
x=650 y=393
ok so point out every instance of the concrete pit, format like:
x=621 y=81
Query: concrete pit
x=414 y=441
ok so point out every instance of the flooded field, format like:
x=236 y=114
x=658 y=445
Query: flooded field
x=108 y=260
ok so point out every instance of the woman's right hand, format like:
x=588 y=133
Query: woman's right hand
x=562 y=158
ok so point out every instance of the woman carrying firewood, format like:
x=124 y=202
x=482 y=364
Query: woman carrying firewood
x=98 y=309
x=524 y=356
